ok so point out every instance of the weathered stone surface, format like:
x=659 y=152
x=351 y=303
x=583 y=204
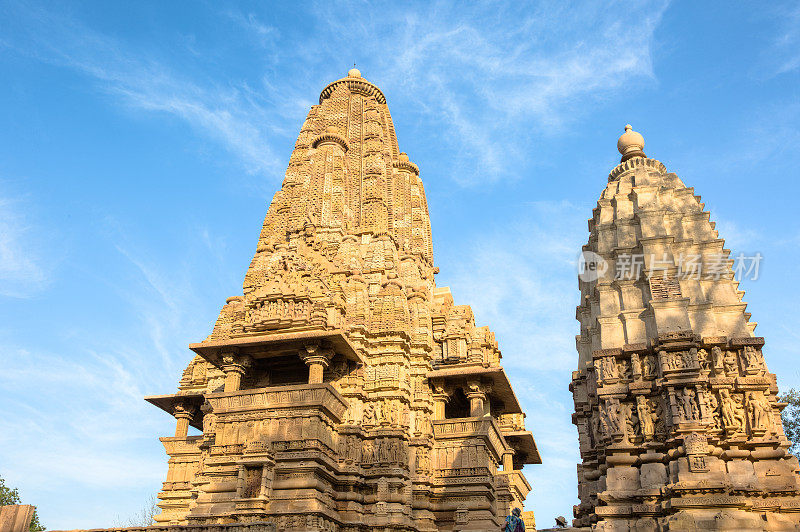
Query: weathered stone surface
x=343 y=390
x=231 y=527
x=678 y=421
x=16 y=517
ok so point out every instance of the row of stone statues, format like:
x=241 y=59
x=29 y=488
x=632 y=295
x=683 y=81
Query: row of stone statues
x=748 y=412
x=718 y=362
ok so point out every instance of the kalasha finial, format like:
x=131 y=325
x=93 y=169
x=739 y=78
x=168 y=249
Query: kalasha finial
x=630 y=144
x=354 y=72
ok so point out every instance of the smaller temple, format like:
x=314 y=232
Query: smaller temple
x=678 y=417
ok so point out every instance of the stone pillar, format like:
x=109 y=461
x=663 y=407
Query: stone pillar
x=183 y=415
x=440 y=399
x=317 y=359
x=234 y=367
x=508 y=460
x=208 y=423
x=476 y=393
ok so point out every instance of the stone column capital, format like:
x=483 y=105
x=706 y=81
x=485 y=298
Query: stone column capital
x=476 y=388
x=317 y=357
x=183 y=412
x=234 y=362
x=317 y=354
x=441 y=391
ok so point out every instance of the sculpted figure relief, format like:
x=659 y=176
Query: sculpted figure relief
x=731 y=366
x=597 y=428
x=611 y=417
x=624 y=369
x=702 y=359
x=632 y=423
x=646 y=422
x=689 y=358
x=752 y=359
x=636 y=364
x=366 y=454
x=713 y=407
x=686 y=404
x=369 y=414
x=607 y=367
x=648 y=366
x=759 y=411
x=717 y=360
x=732 y=416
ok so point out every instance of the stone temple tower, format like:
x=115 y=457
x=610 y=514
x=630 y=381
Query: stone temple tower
x=343 y=390
x=677 y=416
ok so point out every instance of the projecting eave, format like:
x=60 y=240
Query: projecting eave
x=501 y=387
x=277 y=344
x=523 y=443
x=167 y=403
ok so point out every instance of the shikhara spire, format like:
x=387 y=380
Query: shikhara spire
x=343 y=390
x=347 y=176
x=677 y=415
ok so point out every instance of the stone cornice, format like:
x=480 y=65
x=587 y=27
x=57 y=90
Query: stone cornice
x=330 y=137
x=356 y=85
x=630 y=164
x=407 y=165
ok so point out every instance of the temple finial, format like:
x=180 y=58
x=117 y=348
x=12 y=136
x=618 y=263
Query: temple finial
x=630 y=144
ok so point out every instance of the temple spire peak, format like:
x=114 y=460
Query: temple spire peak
x=630 y=144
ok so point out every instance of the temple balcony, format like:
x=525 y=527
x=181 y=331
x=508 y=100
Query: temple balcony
x=511 y=422
x=320 y=398
x=487 y=389
x=455 y=441
x=476 y=391
x=517 y=483
x=248 y=418
x=277 y=344
x=176 y=493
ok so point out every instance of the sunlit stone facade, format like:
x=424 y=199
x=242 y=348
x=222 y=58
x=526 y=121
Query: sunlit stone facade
x=343 y=390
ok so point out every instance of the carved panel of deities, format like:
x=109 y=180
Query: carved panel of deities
x=484 y=428
x=303 y=396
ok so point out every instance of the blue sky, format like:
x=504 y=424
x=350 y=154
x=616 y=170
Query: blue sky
x=143 y=141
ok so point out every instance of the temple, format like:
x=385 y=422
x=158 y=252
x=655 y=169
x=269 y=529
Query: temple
x=343 y=390
x=678 y=421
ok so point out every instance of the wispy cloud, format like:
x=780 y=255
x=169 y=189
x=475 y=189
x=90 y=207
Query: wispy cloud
x=786 y=54
x=85 y=401
x=487 y=85
x=100 y=408
x=481 y=78
x=23 y=266
x=263 y=34
x=224 y=110
x=521 y=281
